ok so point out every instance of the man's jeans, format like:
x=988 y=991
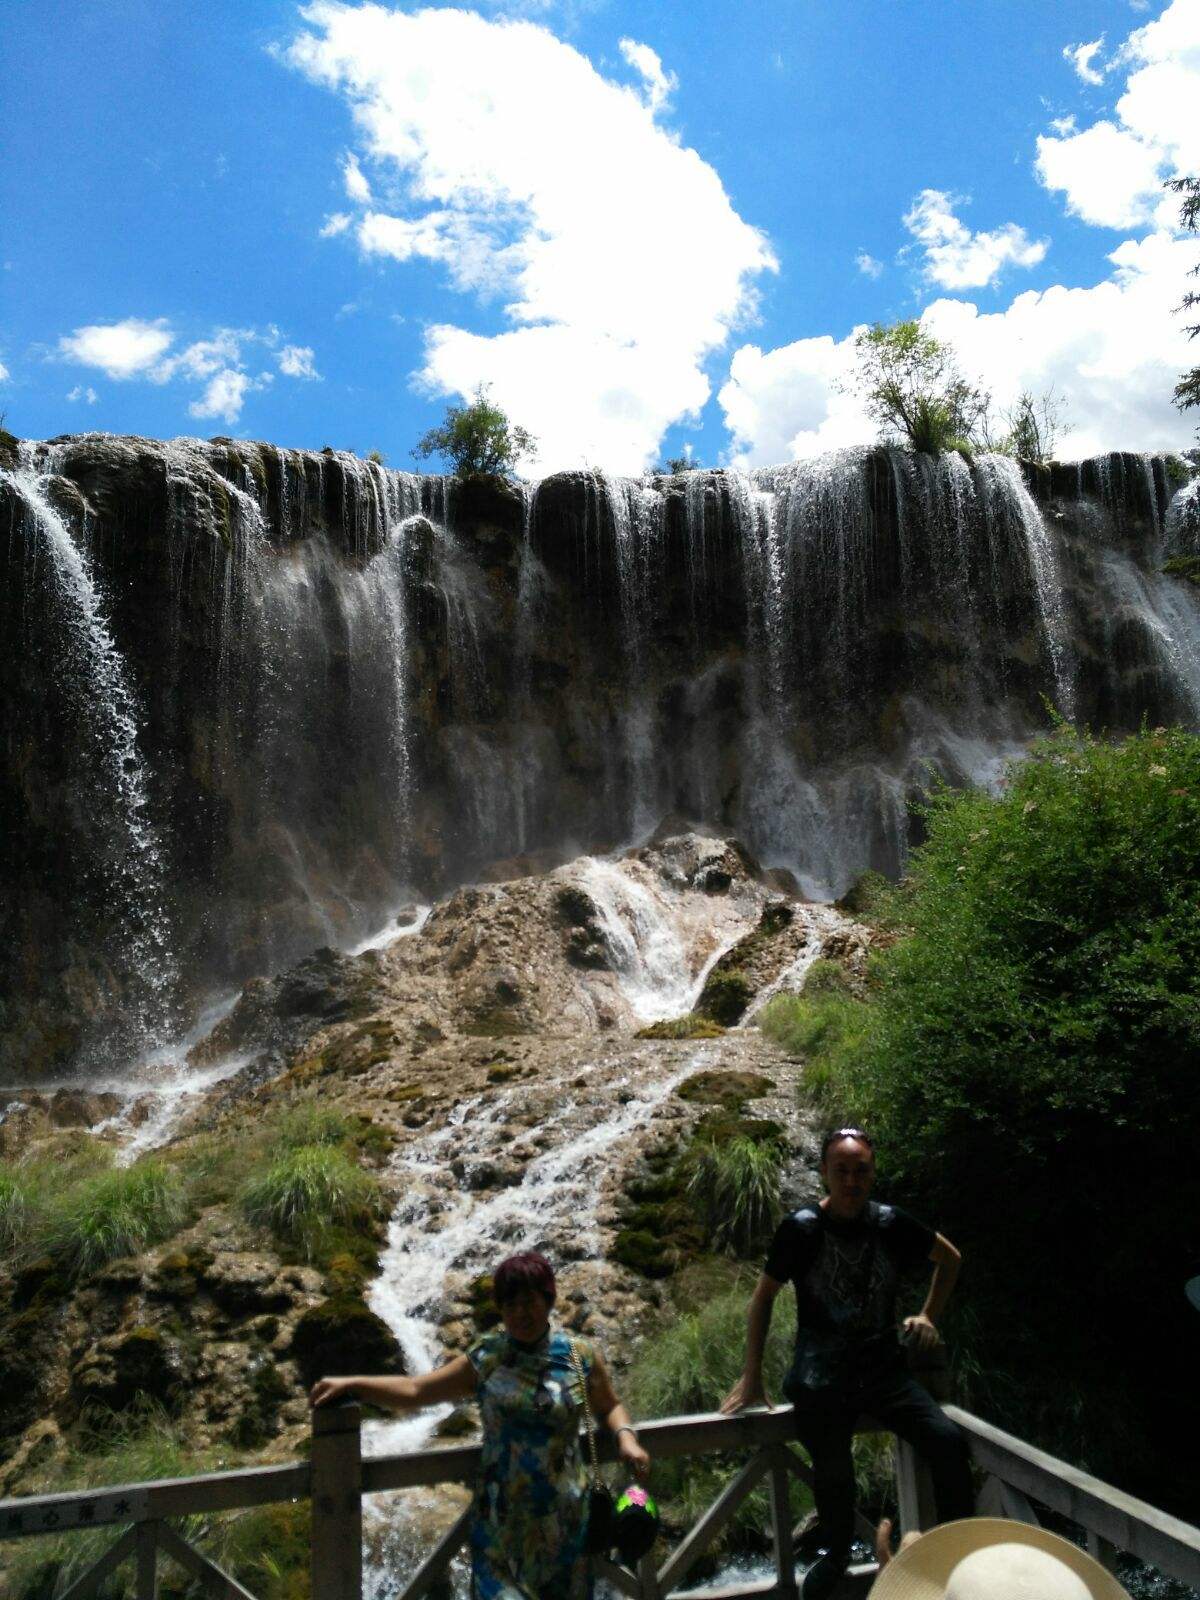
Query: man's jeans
x=825 y=1421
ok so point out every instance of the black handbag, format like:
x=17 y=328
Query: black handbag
x=602 y=1512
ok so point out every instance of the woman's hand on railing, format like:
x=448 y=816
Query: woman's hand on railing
x=327 y=1391
x=747 y=1391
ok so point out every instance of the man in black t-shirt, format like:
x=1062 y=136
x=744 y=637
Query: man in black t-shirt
x=845 y=1257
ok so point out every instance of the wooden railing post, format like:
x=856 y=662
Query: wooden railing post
x=781 y=1522
x=337 y=1503
x=146 y=1561
x=914 y=1490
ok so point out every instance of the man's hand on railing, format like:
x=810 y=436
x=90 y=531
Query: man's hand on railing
x=747 y=1391
x=920 y=1333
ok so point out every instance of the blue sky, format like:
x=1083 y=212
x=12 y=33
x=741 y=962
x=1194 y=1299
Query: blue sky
x=647 y=227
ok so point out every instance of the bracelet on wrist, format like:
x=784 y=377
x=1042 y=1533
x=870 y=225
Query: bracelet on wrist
x=625 y=1427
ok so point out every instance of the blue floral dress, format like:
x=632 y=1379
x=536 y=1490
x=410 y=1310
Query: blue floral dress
x=527 y=1538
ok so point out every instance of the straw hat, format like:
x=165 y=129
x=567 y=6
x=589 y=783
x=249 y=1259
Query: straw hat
x=990 y=1558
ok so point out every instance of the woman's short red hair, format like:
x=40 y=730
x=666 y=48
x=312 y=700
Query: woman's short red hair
x=527 y=1270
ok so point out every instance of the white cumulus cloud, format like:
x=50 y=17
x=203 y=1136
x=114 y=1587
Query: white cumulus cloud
x=1081 y=56
x=296 y=361
x=955 y=257
x=1112 y=351
x=867 y=264
x=4 y=373
x=535 y=181
x=337 y=222
x=1111 y=173
x=126 y=349
x=660 y=85
x=135 y=348
x=224 y=395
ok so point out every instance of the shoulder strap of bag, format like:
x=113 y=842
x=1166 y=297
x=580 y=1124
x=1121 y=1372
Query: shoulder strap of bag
x=577 y=1363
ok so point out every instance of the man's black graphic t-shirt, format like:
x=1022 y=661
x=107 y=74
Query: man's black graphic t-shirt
x=846 y=1275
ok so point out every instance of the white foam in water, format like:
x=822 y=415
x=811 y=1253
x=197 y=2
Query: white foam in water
x=390 y=932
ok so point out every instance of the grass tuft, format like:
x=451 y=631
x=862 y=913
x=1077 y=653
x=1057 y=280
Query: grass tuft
x=736 y=1186
x=308 y=1190
x=116 y=1213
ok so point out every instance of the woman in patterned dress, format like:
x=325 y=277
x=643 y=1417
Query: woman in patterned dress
x=530 y=1525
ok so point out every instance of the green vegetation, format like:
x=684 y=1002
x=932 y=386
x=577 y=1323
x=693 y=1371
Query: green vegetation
x=736 y=1187
x=266 y=1549
x=1185 y=567
x=911 y=386
x=307 y=1190
x=824 y=1024
x=74 y=1211
x=478 y=440
x=661 y=1227
x=1028 y=1058
x=690 y=1026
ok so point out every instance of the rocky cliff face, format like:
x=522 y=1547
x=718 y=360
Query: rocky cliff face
x=254 y=700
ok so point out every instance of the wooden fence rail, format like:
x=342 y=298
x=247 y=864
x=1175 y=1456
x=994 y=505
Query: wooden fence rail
x=1016 y=1477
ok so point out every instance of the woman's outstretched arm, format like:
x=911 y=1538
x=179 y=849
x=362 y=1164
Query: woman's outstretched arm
x=605 y=1405
x=454 y=1381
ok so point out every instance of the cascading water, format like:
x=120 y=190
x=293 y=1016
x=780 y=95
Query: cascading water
x=361 y=687
x=127 y=846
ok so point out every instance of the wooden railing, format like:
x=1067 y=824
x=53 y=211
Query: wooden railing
x=1016 y=1476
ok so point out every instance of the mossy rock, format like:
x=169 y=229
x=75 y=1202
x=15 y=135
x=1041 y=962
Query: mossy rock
x=10 y=454
x=342 y=1336
x=722 y=1126
x=481 y=1297
x=44 y=1282
x=644 y=1252
x=574 y=906
x=259 y=1417
x=863 y=897
x=503 y=1072
x=178 y=1273
x=143 y=1365
x=730 y=1090
x=725 y=997
x=406 y=1092
x=690 y=1026
x=1185 y=567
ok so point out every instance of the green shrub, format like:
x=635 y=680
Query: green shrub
x=116 y=1213
x=308 y=1190
x=312 y=1122
x=736 y=1186
x=1029 y=1063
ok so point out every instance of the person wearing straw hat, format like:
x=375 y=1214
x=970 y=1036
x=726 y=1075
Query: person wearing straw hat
x=989 y=1558
x=845 y=1257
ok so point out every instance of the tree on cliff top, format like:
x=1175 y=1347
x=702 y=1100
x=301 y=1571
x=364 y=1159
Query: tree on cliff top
x=1187 y=390
x=911 y=385
x=479 y=439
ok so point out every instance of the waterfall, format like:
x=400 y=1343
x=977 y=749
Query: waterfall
x=358 y=687
x=131 y=854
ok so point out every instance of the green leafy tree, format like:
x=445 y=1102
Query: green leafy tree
x=479 y=439
x=1031 y=426
x=912 y=387
x=1187 y=390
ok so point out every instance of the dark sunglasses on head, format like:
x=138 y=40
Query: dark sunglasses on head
x=846 y=1133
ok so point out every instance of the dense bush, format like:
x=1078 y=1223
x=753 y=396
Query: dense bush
x=1029 y=1061
x=116 y=1213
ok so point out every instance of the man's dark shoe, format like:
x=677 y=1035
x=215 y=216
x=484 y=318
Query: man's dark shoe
x=822 y=1579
